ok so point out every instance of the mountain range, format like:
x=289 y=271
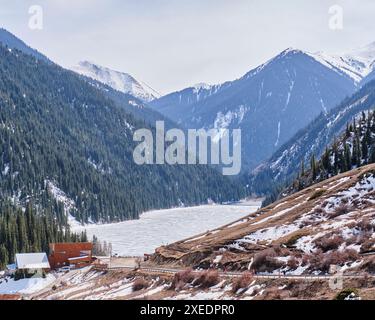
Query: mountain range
x=272 y=102
x=288 y=109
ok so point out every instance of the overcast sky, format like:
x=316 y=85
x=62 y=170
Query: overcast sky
x=171 y=44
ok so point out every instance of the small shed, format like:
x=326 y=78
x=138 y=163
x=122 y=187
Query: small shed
x=32 y=263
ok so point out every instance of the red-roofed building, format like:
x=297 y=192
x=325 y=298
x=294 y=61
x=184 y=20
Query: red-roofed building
x=71 y=254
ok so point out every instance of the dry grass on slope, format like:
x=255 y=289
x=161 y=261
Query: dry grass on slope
x=334 y=217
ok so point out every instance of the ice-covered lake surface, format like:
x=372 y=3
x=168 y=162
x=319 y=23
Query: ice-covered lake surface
x=160 y=227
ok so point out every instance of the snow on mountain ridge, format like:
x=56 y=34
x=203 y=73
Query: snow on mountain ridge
x=356 y=64
x=120 y=81
x=202 y=85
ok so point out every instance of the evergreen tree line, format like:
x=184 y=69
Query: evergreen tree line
x=23 y=231
x=355 y=148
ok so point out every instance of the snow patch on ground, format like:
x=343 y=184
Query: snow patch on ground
x=269 y=234
x=25 y=286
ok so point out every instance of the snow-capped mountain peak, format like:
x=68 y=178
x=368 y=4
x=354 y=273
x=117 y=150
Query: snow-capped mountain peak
x=357 y=63
x=120 y=81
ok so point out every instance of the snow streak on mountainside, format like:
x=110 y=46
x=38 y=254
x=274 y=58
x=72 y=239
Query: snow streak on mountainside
x=120 y=81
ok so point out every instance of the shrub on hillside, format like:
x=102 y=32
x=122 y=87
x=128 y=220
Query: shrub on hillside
x=293 y=263
x=317 y=194
x=242 y=282
x=365 y=225
x=305 y=259
x=207 y=279
x=351 y=255
x=182 y=278
x=139 y=284
x=329 y=242
x=339 y=211
x=315 y=260
x=265 y=261
x=319 y=211
x=322 y=261
x=293 y=239
x=369 y=265
x=368 y=245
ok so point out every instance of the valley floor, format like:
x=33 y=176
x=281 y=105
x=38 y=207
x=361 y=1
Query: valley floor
x=161 y=227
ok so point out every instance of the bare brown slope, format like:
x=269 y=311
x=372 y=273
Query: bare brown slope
x=332 y=218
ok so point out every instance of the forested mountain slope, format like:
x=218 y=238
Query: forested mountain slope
x=284 y=165
x=132 y=105
x=353 y=149
x=61 y=135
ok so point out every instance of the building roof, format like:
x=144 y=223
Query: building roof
x=32 y=261
x=62 y=246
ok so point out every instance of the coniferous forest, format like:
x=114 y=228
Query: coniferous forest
x=29 y=231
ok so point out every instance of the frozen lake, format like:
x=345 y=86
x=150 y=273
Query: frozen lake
x=160 y=227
